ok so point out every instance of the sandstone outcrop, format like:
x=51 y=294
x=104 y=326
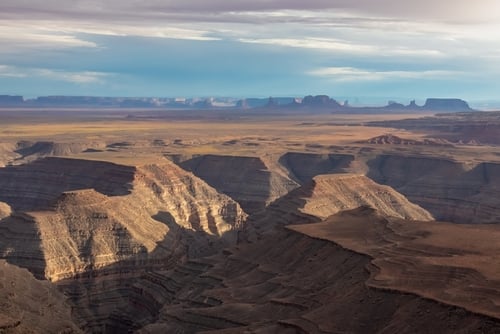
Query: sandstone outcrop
x=5 y=210
x=7 y=153
x=31 y=306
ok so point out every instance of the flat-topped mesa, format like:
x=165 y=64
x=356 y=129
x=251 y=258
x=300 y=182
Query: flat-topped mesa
x=32 y=150
x=440 y=104
x=36 y=185
x=320 y=101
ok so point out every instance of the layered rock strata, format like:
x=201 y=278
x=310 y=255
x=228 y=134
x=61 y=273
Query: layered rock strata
x=291 y=283
x=247 y=180
x=94 y=243
x=450 y=263
x=450 y=190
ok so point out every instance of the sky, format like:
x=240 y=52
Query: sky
x=359 y=49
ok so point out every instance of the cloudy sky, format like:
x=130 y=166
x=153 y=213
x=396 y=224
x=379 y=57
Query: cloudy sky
x=343 y=48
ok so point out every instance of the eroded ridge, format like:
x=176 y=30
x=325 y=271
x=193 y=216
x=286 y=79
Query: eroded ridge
x=93 y=245
x=452 y=264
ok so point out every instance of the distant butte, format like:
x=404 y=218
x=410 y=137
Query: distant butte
x=321 y=103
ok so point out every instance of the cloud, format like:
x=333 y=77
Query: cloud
x=16 y=36
x=81 y=77
x=461 y=10
x=313 y=43
x=343 y=74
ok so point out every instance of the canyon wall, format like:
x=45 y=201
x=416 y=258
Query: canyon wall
x=93 y=227
x=452 y=191
x=247 y=180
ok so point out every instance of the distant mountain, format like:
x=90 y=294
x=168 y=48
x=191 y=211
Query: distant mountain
x=320 y=103
x=447 y=105
x=8 y=100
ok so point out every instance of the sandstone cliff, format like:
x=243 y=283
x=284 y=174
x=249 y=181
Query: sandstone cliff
x=450 y=190
x=247 y=180
x=255 y=182
x=92 y=242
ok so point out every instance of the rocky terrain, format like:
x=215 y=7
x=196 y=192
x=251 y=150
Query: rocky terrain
x=414 y=256
x=453 y=191
x=245 y=179
x=301 y=226
x=88 y=238
x=287 y=282
x=472 y=128
x=31 y=306
x=389 y=139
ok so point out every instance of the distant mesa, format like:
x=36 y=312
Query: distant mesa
x=396 y=105
x=320 y=101
x=7 y=100
x=309 y=102
x=447 y=105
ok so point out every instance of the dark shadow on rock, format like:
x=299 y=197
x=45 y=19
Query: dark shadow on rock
x=35 y=185
x=446 y=188
x=303 y=167
x=26 y=148
x=245 y=179
x=21 y=243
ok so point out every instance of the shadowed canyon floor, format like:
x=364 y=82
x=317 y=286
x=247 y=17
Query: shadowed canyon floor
x=263 y=224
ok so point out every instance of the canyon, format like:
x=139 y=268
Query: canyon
x=278 y=224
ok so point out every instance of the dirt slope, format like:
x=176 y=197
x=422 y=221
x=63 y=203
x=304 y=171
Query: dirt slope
x=452 y=264
x=31 y=306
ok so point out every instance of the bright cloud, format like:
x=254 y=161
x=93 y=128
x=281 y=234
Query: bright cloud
x=278 y=43
x=84 y=77
x=356 y=74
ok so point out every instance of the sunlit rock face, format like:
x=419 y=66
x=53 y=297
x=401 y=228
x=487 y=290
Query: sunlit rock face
x=92 y=227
